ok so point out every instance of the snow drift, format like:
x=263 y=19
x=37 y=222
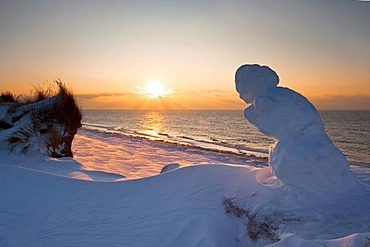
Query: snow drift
x=56 y=202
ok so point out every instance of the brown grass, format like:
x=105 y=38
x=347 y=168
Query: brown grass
x=56 y=120
x=7 y=97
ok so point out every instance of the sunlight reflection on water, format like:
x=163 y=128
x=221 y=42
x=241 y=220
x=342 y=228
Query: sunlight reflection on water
x=349 y=130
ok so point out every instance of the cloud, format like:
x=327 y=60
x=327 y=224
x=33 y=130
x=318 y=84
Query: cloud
x=99 y=95
x=209 y=99
x=212 y=91
x=153 y=89
x=194 y=99
x=106 y=100
x=342 y=102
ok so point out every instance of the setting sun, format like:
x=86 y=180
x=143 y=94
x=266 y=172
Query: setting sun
x=154 y=89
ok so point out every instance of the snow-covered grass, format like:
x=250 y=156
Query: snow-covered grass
x=60 y=202
x=43 y=123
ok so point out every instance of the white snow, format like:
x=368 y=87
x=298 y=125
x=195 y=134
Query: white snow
x=60 y=202
x=303 y=157
x=170 y=167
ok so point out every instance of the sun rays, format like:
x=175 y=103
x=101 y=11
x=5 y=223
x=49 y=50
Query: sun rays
x=153 y=90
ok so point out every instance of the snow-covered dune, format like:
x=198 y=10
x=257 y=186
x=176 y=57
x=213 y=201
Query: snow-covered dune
x=179 y=208
x=205 y=205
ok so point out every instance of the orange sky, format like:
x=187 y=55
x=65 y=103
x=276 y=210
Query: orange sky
x=105 y=49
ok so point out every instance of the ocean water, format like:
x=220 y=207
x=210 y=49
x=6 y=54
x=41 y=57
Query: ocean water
x=228 y=131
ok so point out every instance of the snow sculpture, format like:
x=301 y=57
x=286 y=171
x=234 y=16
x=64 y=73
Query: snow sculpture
x=303 y=156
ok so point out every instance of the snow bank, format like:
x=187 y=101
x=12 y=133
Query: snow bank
x=303 y=157
x=54 y=202
x=358 y=239
x=174 y=209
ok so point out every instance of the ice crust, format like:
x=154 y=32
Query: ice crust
x=303 y=157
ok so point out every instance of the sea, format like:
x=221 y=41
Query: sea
x=227 y=130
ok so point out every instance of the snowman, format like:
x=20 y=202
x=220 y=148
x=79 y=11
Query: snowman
x=303 y=157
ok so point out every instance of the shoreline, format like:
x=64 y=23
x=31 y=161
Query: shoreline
x=137 y=157
x=156 y=137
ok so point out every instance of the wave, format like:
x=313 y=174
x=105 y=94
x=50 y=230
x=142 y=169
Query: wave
x=210 y=144
x=228 y=130
x=235 y=146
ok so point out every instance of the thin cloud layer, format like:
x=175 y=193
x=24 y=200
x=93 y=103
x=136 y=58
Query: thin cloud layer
x=344 y=102
x=182 y=100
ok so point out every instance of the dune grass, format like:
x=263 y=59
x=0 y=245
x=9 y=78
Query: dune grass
x=53 y=116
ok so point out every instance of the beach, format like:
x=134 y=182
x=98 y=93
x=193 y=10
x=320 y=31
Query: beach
x=226 y=130
x=136 y=157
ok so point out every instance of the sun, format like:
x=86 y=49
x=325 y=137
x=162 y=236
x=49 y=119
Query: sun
x=154 y=89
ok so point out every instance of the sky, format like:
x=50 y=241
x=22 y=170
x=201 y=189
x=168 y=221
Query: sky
x=108 y=51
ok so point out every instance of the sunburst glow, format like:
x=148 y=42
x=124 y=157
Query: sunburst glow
x=154 y=89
